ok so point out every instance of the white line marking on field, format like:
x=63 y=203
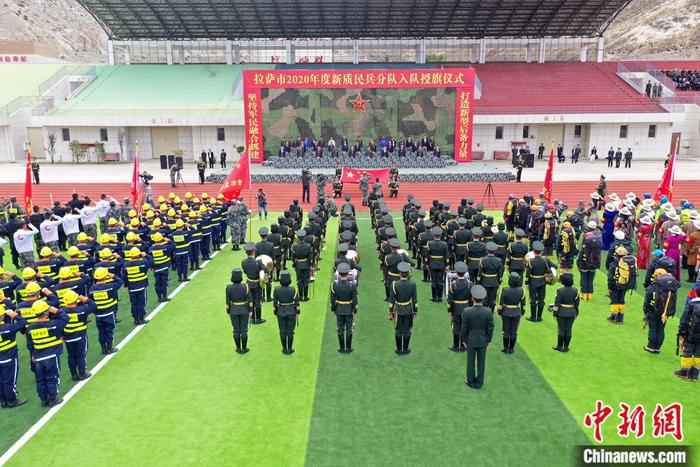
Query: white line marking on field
x=34 y=429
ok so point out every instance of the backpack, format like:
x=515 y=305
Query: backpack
x=627 y=272
x=694 y=323
x=666 y=287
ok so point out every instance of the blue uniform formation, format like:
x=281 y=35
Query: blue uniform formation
x=53 y=301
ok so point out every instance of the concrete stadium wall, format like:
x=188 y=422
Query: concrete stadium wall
x=5 y=146
x=204 y=137
x=602 y=135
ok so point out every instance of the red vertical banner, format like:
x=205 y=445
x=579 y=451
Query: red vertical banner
x=463 y=125
x=253 y=123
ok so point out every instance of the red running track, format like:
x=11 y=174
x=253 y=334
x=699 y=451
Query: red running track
x=281 y=194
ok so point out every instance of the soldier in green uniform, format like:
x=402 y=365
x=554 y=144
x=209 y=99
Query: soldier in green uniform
x=477 y=332
x=252 y=267
x=476 y=249
x=301 y=258
x=490 y=274
x=422 y=247
x=462 y=237
x=536 y=269
x=511 y=307
x=437 y=254
x=500 y=238
x=239 y=306
x=286 y=306
x=344 y=305
x=458 y=297
x=516 y=253
x=565 y=310
x=391 y=263
x=404 y=307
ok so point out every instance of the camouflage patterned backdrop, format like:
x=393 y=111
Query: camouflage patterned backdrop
x=322 y=113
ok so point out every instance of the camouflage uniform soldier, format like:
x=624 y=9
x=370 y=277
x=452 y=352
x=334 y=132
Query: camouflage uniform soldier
x=243 y=218
x=233 y=220
x=320 y=187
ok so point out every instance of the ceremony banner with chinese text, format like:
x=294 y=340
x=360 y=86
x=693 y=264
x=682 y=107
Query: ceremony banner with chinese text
x=460 y=79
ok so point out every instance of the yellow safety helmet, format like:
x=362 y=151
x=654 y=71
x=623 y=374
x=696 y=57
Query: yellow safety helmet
x=112 y=221
x=150 y=214
x=161 y=199
x=45 y=252
x=567 y=224
x=106 y=238
x=157 y=222
x=212 y=200
x=185 y=208
x=131 y=237
x=193 y=215
x=28 y=274
x=195 y=200
x=177 y=200
x=157 y=237
x=621 y=251
x=132 y=213
x=133 y=253
x=82 y=237
x=202 y=208
x=179 y=223
x=101 y=274
x=70 y=297
x=65 y=273
x=163 y=207
x=32 y=288
x=134 y=222
x=73 y=251
x=40 y=307
x=105 y=253
x=171 y=212
x=205 y=195
x=171 y=195
x=147 y=207
x=188 y=195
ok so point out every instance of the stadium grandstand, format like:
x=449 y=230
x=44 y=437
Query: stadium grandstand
x=451 y=98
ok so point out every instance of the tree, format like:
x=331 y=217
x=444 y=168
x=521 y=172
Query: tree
x=52 y=147
x=77 y=151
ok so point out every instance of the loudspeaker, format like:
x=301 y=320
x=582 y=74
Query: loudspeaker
x=179 y=161
x=171 y=160
x=164 y=162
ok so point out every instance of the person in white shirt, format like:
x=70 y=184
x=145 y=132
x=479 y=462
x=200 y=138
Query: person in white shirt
x=103 y=208
x=71 y=226
x=88 y=216
x=24 y=243
x=49 y=231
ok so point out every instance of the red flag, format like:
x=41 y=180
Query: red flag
x=238 y=179
x=353 y=175
x=665 y=188
x=136 y=180
x=28 y=181
x=548 y=177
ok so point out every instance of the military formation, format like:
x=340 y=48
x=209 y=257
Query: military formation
x=55 y=297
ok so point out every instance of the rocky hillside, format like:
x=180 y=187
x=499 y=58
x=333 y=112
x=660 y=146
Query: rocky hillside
x=60 y=24
x=656 y=29
x=660 y=29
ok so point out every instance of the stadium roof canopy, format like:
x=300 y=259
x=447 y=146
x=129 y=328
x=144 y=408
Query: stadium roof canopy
x=389 y=19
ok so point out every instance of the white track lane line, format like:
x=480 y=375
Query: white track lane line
x=24 y=439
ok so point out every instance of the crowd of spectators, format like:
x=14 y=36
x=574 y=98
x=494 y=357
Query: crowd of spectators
x=685 y=80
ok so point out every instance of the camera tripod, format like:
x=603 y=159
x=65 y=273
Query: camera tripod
x=179 y=178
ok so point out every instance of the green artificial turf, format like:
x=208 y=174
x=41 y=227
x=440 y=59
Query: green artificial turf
x=374 y=407
x=178 y=394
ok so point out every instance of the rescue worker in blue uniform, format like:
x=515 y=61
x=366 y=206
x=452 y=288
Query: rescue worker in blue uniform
x=105 y=294
x=10 y=324
x=78 y=308
x=45 y=342
x=160 y=253
x=239 y=307
x=195 y=240
x=285 y=300
x=181 y=243
x=68 y=280
x=136 y=269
